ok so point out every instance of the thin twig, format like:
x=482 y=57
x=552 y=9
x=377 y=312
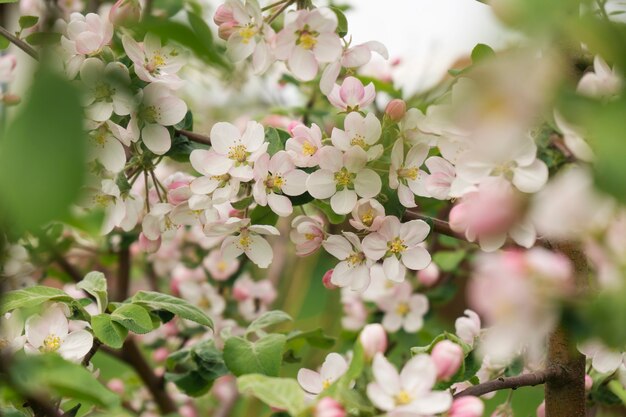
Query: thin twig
x=279 y=11
x=19 y=43
x=195 y=137
x=271 y=6
x=513 y=382
x=123 y=274
x=94 y=348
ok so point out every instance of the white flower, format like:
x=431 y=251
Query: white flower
x=11 y=329
x=332 y=369
x=359 y=131
x=573 y=139
x=352 y=96
x=50 y=333
x=244 y=238
x=89 y=33
x=232 y=152
x=120 y=211
x=276 y=177
x=254 y=297
x=405 y=174
x=368 y=214
x=408 y=394
x=415 y=128
x=442 y=182
x=307 y=38
x=602 y=81
x=154 y=62
x=603 y=359
x=108 y=89
x=158 y=221
x=354 y=268
x=403 y=309
x=307 y=233
x=305 y=145
x=218 y=267
x=343 y=177
x=106 y=147
x=203 y=296
x=468 y=327
x=399 y=247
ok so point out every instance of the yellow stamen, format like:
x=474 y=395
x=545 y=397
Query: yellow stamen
x=396 y=246
x=51 y=343
x=367 y=218
x=403 y=398
x=238 y=153
x=308 y=148
x=343 y=177
x=355 y=259
x=411 y=173
x=402 y=309
x=359 y=140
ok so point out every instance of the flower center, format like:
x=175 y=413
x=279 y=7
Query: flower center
x=150 y=114
x=275 y=181
x=308 y=149
x=411 y=173
x=344 y=178
x=307 y=39
x=221 y=266
x=310 y=236
x=355 y=259
x=402 y=309
x=103 y=92
x=102 y=200
x=359 y=140
x=403 y=398
x=51 y=343
x=367 y=218
x=245 y=241
x=505 y=170
x=158 y=60
x=247 y=33
x=204 y=303
x=396 y=246
x=238 y=153
x=326 y=383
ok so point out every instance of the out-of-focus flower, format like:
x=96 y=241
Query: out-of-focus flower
x=116 y=385
x=218 y=267
x=254 y=296
x=442 y=182
x=403 y=309
x=429 y=276
x=332 y=369
x=50 y=333
x=89 y=33
x=467 y=407
x=203 y=295
x=307 y=233
x=573 y=139
x=447 y=357
x=603 y=359
x=360 y=131
x=108 y=89
x=467 y=327
x=7 y=68
x=327 y=407
x=125 y=12
x=603 y=81
x=408 y=393
x=373 y=338
x=308 y=38
x=11 y=329
x=355 y=313
x=327 y=280
x=352 y=96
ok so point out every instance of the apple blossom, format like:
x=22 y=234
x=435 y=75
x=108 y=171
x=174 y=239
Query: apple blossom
x=218 y=267
x=602 y=81
x=154 y=62
x=442 y=182
x=203 y=295
x=106 y=147
x=368 y=214
x=275 y=178
x=308 y=38
x=11 y=329
x=307 y=233
x=448 y=357
x=403 y=309
x=120 y=210
x=89 y=33
x=343 y=177
x=429 y=276
x=405 y=174
x=304 y=145
x=398 y=245
x=125 y=12
x=352 y=96
x=467 y=406
x=353 y=270
x=408 y=393
x=327 y=280
x=467 y=327
x=360 y=131
x=254 y=296
x=411 y=126
x=327 y=407
x=603 y=359
x=355 y=313
x=541 y=409
x=332 y=369
x=373 y=338
x=396 y=109
x=116 y=385
x=49 y=333
x=574 y=141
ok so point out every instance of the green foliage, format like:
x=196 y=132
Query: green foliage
x=297 y=340
x=328 y=212
x=107 y=331
x=43 y=38
x=276 y=139
x=342 y=22
x=481 y=52
x=282 y=393
x=31 y=297
x=133 y=317
x=449 y=261
x=95 y=284
x=28 y=21
x=155 y=301
x=4 y=43
x=263 y=215
x=268 y=319
x=51 y=373
x=194 y=369
x=263 y=356
x=42 y=163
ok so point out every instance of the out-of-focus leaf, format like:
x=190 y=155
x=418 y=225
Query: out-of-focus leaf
x=480 y=52
x=28 y=21
x=31 y=297
x=282 y=393
x=95 y=284
x=4 y=43
x=194 y=369
x=449 y=260
x=268 y=319
x=157 y=301
x=263 y=356
x=43 y=38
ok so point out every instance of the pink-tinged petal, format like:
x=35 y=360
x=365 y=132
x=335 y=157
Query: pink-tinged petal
x=352 y=91
x=524 y=234
x=112 y=155
x=328 y=47
x=329 y=76
x=369 y=96
x=76 y=345
x=416 y=259
x=280 y=204
x=237 y=49
x=355 y=159
x=156 y=138
x=342 y=274
x=374 y=246
x=321 y=20
x=295 y=182
x=338 y=246
x=172 y=111
x=260 y=252
x=397 y=154
x=414 y=232
x=340 y=139
x=379 y=397
x=356 y=56
x=242 y=172
x=335 y=98
x=254 y=136
x=431 y=403
x=264 y=229
x=343 y=201
x=133 y=50
x=472 y=169
x=413 y=322
x=209 y=162
x=321 y=184
x=88 y=42
x=302 y=64
x=406 y=196
x=367 y=183
x=334 y=367
x=418 y=304
x=259 y=192
x=281 y=163
x=491 y=243
x=223 y=136
x=261 y=58
x=394 y=270
x=331 y=158
x=419 y=375
x=390 y=227
x=386 y=375
x=531 y=178
x=416 y=155
x=310 y=381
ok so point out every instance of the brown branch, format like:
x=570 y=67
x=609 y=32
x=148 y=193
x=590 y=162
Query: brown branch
x=513 y=382
x=123 y=273
x=195 y=137
x=279 y=11
x=94 y=348
x=19 y=43
x=67 y=267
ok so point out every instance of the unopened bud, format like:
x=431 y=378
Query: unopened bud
x=396 y=109
x=467 y=407
x=223 y=14
x=225 y=30
x=429 y=275
x=116 y=385
x=373 y=338
x=328 y=407
x=448 y=357
x=125 y=13
x=326 y=280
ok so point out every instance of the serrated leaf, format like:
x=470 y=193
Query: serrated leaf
x=133 y=317
x=281 y=393
x=156 y=301
x=31 y=297
x=107 y=331
x=268 y=319
x=263 y=356
x=95 y=284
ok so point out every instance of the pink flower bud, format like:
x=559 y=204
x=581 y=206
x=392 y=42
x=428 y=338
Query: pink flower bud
x=125 y=12
x=116 y=385
x=448 y=357
x=396 y=109
x=428 y=276
x=223 y=14
x=240 y=292
x=467 y=407
x=588 y=383
x=11 y=99
x=147 y=245
x=326 y=280
x=328 y=407
x=374 y=340
x=178 y=192
x=541 y=410
x=160 y=354
x=188 y=410
x=225 y=30
x=292 y=125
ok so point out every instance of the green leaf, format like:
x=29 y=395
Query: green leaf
x=31 y=297
x=4 y=42
x=95 y=284
x=282 y=393
x=11 y=412
x=44 y=147
x=51 y=373
x=133 y=317
x=107 y=331
x=449 y=261
x=315 y=338
x=352 y=373
x=268 y=319
x=480 y=52
x=205 y=37
x=276 y=138
x=261 y=357
x=43 y=38
x=28 y=21
x=263 y=215
x=194 y=369
x=157 y=301
x=325 y=208
x=342 y=22
x=243 y=203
